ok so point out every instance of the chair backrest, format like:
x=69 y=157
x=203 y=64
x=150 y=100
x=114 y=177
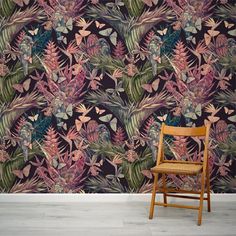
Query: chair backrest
x=183 y=131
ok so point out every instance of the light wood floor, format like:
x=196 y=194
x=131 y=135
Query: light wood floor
x=112 y=219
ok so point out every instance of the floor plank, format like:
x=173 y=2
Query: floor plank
x=111 y=219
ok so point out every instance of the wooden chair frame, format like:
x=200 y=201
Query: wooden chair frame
x=205 y=178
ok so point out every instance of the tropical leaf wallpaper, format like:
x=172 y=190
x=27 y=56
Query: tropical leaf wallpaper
x=85 y=86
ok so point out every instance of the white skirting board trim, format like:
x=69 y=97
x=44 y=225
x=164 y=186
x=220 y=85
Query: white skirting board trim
x=99 y=197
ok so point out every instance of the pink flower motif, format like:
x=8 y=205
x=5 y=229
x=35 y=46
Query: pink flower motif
x=4 y=156
x=221 y=131
x=131 y=156
x=223 y=166
x=94 y=166
x=221 y=47
x=94 y=170
x=4 y=70
x=180 y=147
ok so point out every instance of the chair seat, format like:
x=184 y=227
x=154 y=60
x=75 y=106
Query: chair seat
x=177 y=168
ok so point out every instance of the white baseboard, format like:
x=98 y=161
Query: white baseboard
x=97 y=197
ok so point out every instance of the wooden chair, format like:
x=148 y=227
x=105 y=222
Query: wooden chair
x=181 y=168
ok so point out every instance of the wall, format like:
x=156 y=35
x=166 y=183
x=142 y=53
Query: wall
x=85 y=86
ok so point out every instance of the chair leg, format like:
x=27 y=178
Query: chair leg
x=208 y=191
x=153 y=196
x=201 y=199
x=164 y=188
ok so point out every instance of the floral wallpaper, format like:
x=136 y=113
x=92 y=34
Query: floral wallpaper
x=85 y=86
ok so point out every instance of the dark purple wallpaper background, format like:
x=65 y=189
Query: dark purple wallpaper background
x=85 y=86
